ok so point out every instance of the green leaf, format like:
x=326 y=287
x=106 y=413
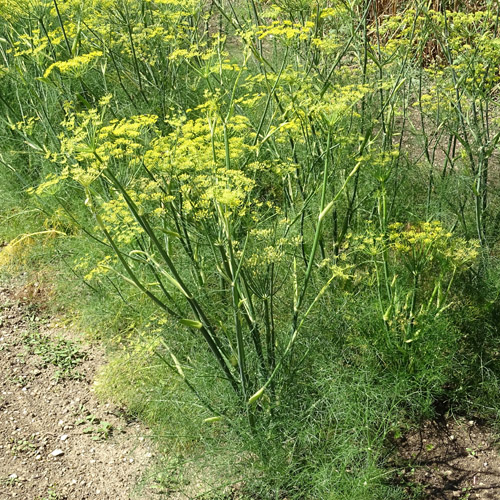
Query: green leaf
x=177 y=364
x=257 y=395
x=170 y=233
x=191 y=323
x=174 y=282
x=212 y=419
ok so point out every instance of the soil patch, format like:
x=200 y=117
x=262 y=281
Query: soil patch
x=452 y=459
x=57 y=441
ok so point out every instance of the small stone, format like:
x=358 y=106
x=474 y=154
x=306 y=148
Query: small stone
x=57 y=453
x=13 y=476
x=64 y=437
x=38 y=457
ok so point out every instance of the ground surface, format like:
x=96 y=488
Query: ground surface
x=57 y=441
x=452 y=459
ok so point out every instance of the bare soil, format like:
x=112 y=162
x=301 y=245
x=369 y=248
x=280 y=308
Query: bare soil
x=57 y=440
x=452 y=459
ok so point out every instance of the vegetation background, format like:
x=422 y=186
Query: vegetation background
x=282 y=217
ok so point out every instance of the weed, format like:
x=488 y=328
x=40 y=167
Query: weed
x=51 y=494
x=19 y=446
x=10 y=480
x=100 y=430
x=103 y=431
x=61 y=353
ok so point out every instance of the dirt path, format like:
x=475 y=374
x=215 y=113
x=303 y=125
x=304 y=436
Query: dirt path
x=56 y=440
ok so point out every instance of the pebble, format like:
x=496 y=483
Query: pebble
x=57 y=453
x=64 y=437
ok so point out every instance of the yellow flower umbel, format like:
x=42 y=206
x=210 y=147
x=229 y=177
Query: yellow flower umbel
x=418 y=245
x=195 y=160
x=90 y=144
x=76 y=67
